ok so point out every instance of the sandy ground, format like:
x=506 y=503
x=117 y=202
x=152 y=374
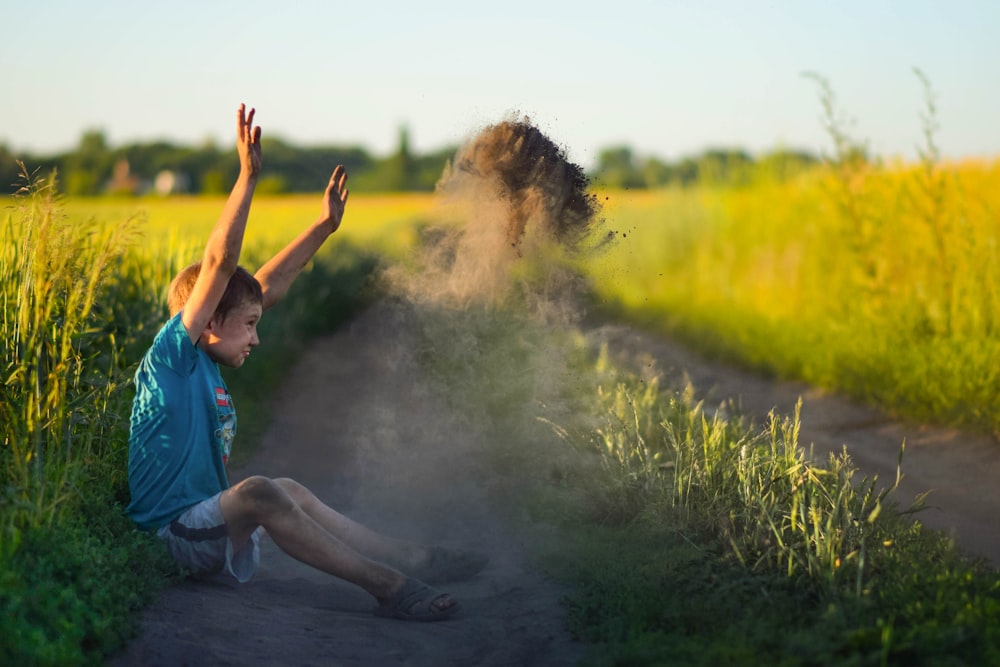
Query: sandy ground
x=357 y=424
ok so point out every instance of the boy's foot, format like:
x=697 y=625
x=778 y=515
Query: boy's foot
x=443 y=565
x=416 y=601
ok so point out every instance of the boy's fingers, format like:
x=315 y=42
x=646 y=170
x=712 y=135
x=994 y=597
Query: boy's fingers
x=240 y=122
x=336 y=186
x=341 y=172
x=339 y=176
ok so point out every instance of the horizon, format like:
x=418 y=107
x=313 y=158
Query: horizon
x=666 y=79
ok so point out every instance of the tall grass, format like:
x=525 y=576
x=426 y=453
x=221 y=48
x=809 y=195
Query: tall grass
x=58 y=370
x=879 y=280
x=754 y=489
x=72 y=567
x=862 y=580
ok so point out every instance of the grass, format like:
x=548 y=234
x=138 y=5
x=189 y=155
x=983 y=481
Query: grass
x=50 y=277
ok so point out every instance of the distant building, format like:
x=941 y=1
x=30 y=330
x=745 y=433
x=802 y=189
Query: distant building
x=169 y=182
x=123 y=182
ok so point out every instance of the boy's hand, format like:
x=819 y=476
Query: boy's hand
x=277 y=274
x=335 y=198
x=247 y=142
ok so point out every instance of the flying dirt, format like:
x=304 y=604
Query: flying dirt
x=509 y=198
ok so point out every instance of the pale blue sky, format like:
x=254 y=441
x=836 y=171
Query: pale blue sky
x=666 y=77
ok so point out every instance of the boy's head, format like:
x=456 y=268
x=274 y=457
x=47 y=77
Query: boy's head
x=242 y=288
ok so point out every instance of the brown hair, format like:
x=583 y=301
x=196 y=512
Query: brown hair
x=242 y=288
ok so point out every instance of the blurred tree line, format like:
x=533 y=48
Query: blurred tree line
x=619 y=167
x=94 y=167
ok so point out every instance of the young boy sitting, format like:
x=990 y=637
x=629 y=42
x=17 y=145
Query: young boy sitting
x=183 y=425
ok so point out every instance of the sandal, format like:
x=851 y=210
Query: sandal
x=415 y=602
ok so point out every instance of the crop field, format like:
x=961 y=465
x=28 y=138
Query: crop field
x=881 y=282
x=385 y=221
x=876 y=280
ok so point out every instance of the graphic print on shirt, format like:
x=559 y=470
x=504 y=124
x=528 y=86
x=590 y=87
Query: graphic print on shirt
x=226 y=432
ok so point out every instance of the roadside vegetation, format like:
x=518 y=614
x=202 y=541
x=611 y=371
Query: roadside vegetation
x=71 y=567
x=718 y=542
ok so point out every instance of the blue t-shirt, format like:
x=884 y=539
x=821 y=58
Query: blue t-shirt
x=182 y=429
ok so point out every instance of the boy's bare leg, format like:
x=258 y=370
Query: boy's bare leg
x=258 y=501
x=374 y=545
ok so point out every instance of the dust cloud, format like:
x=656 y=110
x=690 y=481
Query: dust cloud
x=510 y=211
x=472 y=364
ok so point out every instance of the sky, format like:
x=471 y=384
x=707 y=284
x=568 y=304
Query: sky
x=664 y=77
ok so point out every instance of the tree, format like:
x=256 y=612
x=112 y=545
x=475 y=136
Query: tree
x=656 y=173
x=89 y=166
x=396 y=173
x=616 y=168
x=730 y=166
x=783 y=164
x=10 y=172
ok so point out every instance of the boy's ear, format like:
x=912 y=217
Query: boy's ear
x=212 y=325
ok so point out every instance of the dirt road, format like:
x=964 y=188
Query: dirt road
x=358 y=424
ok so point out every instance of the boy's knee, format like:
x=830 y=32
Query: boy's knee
x=300 y=494
x=286 y=482
x=263 y=494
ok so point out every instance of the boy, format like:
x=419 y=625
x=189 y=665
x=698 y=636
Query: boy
x=183 y=424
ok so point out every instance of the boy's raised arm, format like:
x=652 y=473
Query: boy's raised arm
x=277 y=275
x=222 y=252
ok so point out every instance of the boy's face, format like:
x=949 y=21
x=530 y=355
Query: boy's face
x=228 y=342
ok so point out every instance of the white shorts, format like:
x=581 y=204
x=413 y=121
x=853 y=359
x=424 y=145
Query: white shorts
x=198 y=540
